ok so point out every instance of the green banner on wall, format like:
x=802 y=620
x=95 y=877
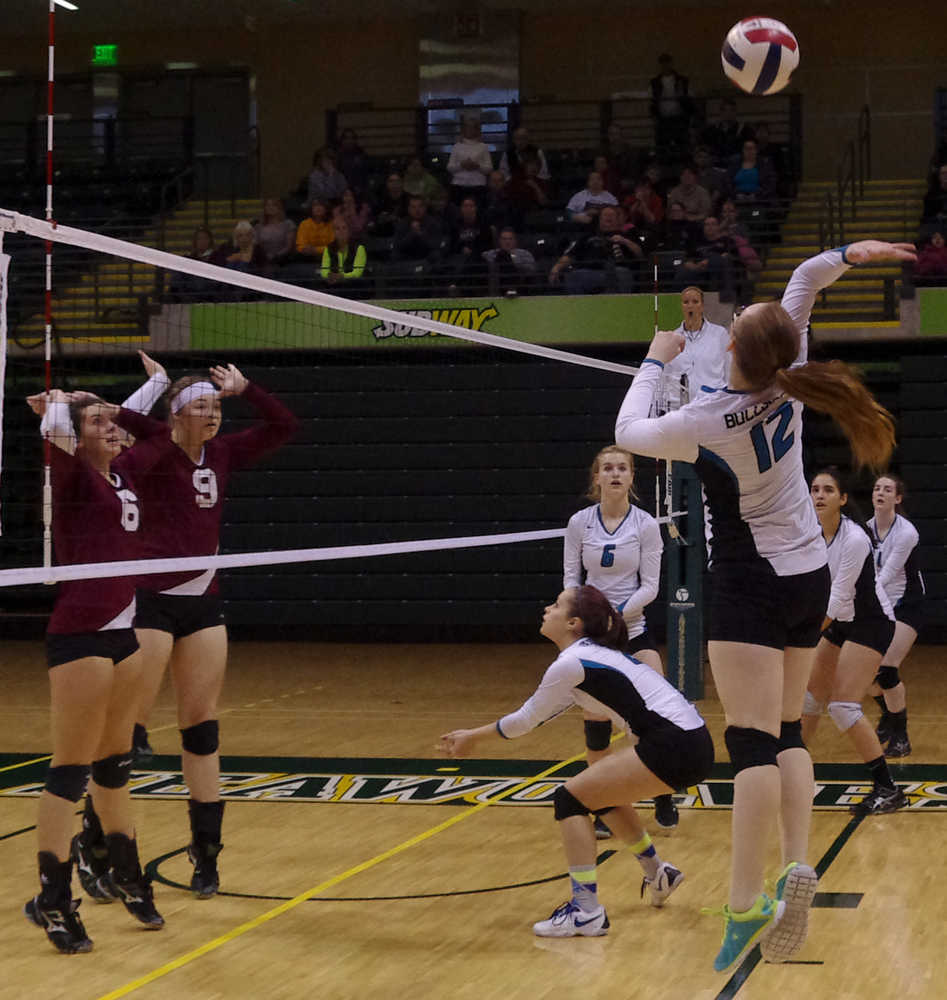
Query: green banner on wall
x=560 y=319
x=932 y=306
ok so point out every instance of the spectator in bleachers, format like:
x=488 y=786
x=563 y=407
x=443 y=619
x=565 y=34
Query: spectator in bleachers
x=671 y=106
x=935 y=201
x=418 y=237
x=752 y=177
x=725 y=136
x=660 y=184
x=326 y=183
x=769 y=150
x=715 y=180
x=391 y=207
x=620 y=153
x=188 y=287
x=585 y=205
x=679 y=234
x=470 y=239
x=424 y=184
x=644 y=206
x=528 y=191
x=469 y=163
x=715 y=266
x=694 y=199
x=243 y=253
x=931 y=265
x=611 y=178
x=356 y=213
x=315 y=233
x=605 y=259
x=729 y=217
x=275 y=233
x=344 y=261
x=512 y=162
x=352 y=162
x=513 y=267
x=498 y=208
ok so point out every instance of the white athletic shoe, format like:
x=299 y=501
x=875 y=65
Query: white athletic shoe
x=570 y=920
x=663 y=884
x=796 y=887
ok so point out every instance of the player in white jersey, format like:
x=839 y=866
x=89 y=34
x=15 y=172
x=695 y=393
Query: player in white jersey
x=704 y=359
x=768 y=562
x=674 y=749
x=615 y=546
x=859 y=627
x=895 y=540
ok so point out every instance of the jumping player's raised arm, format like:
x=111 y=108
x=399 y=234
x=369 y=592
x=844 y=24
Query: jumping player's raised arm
x=143 y=399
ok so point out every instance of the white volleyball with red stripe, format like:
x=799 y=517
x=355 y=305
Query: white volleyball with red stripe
x=759 y=55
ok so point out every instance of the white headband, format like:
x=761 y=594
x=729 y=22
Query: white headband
x=191 y=392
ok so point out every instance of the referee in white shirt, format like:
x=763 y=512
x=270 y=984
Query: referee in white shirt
x=705 y=359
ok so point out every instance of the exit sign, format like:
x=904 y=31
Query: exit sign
x=104 y=55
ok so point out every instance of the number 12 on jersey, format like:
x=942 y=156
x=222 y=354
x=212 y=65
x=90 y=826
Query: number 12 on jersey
x=771 y=449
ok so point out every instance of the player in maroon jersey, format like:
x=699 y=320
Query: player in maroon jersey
x=94 y=662
x=180 y=618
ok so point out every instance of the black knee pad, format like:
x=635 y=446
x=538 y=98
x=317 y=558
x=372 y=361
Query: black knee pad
x=888 y=678
x=598 y=734
x=565 y=804
x=790 y=735
x=67 y=781
x=114 y=771
x=750 y=748
x=202 y=739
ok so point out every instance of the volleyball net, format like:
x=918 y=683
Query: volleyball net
x=456 y=454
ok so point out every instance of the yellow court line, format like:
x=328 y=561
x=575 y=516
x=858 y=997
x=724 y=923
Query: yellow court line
x=26 y=763
x=291 y=904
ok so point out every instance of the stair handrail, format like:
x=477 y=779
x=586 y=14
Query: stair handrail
x=855 y=166
x=827 y=227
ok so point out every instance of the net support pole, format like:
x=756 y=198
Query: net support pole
x=48 y=293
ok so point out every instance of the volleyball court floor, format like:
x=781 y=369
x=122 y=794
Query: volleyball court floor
x=358 y=861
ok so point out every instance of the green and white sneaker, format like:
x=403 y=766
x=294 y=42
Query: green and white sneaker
x=796 y=887
x=743 y=930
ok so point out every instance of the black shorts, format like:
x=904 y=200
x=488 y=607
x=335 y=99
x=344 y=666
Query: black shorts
x=115 y=644
x=679 y=757
x=875 y=633
x=752 y=604
x=639 y=643
x=178 y=614
x=911 y=614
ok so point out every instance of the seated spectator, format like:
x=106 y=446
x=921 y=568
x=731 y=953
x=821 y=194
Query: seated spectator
x=527 y=190
x=585 y=205
x=769 y=150
x=325 y=181
x=715 y=265
x=752 y=177
x=624 y=159
x=715 y=180
x=391 y=207
x=931 y=265
x=644 y=208
x=424 y=184
x=315 y=233
x=189 y=287
x=513 y=268
x=351 y=161
x=512 y=162
x=655 y=172
x=935 y=201
x=243 y=253
x=418 y=237
x=611 y=178
x=729 y=218
x=679 y=234
x=344 y=260
x=470 y=238
x=725 y=136
x=469 y=163
x=275 y=233
x=355 y=212
x=694 y=199
x=498 y=208
x=602 y=260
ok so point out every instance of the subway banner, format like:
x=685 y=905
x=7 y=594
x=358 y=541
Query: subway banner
x=560 y=319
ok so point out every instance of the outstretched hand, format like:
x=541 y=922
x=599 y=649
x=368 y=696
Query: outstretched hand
x=151 y=366
x=457 y=743
x=228 y=379
x=877 y=251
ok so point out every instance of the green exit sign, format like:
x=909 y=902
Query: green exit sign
x=104 y=55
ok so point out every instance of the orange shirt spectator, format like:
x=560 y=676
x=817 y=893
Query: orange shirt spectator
x=316 y=232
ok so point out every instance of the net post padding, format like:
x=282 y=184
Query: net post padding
x=15 y=222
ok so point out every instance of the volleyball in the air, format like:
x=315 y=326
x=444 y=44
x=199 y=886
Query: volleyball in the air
x=759 y=55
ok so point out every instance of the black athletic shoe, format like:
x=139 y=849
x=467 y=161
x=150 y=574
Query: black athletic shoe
x=63 y=926
x=898 y=746
x=205 y=881
x=884 y=729
x=602 y=832
x=141 y=749
x=665 y=812
x=139 y=900
x=880 y=800
x=92 y=867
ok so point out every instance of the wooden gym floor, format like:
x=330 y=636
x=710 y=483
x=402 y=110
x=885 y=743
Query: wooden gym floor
x=358 y=862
